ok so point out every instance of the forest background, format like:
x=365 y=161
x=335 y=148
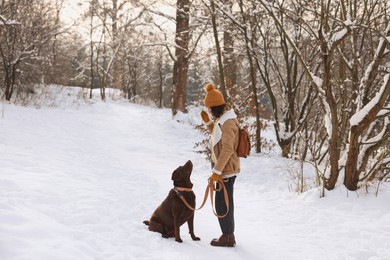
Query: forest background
x=319 y=71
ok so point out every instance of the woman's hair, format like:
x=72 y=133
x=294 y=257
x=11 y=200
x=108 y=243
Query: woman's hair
x=217 y=111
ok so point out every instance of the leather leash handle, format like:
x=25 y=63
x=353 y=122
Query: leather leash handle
x=222 y=187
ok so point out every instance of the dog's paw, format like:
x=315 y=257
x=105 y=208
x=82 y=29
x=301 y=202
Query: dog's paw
x=195 y=238
x=179 y=240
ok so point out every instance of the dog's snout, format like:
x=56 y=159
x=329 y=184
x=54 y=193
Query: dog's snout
x=189 y=163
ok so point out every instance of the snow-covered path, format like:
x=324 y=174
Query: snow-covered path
x=77 y=184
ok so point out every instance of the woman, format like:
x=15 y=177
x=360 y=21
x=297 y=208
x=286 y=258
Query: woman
x=225 y=162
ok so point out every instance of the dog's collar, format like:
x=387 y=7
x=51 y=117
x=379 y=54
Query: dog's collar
x=182 y=189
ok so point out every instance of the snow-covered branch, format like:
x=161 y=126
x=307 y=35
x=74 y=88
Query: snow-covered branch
x=367 y=80
x=270 y=10
x=335 y=38
x=381 y=96
x=6 y=22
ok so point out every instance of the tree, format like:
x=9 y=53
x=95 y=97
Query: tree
x=25 y=27
x=370 y=124
x=221 y=69
x=181 y=58
x=227 y=66
x=250 y=37
x=229 y=57
x=247 y=29
x=340 y=82
x=291 y=97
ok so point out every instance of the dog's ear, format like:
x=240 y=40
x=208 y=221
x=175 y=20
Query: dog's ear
x=176 y=175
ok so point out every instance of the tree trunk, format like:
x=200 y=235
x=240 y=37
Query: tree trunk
x=161 y=83
x=351 y=174
x=133 y=81
x=230 y=66
x=91 y=50
x=116 y=82
x=180 y=67
x=351 y=168
x=229 y=62
x=334 y=143
x=253 y=80
x=219 y=53
x=9 y=81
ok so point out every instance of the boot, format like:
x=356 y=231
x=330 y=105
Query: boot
x=224 y=240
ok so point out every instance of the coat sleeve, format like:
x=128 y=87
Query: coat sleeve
x=229 y=132
x=210 y=126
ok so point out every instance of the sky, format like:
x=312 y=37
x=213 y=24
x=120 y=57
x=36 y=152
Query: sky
x=72 y=10
x=78 y=178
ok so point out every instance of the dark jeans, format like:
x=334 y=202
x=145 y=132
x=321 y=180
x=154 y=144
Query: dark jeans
x=227 y=222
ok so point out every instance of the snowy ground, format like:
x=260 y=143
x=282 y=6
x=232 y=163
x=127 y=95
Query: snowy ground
x=76 y=184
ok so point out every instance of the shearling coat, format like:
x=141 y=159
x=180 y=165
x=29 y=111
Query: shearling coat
x=226 y=161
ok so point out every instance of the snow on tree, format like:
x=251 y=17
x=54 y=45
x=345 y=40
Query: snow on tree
x=349 y=70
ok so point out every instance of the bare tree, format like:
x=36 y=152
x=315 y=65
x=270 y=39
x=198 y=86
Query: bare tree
x=227 y=66
x=221 y=70
x=290 y=94
x=25 y=27
x=370 y=124
x=250 y=38
x=340 y=84
x=181 y=58
x=229 y=56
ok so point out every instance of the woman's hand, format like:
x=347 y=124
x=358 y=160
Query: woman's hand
x=215 y=177
x=205 y=116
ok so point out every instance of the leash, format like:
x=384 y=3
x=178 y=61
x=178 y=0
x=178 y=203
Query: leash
x=225 y=195
x=210 y=189
x=178 y=189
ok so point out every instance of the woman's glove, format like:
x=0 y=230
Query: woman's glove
x=215 y=177
x=205 y=116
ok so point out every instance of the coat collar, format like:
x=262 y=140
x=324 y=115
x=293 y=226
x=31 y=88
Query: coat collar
x=226 y=116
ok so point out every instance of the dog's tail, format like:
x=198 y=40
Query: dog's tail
x=146 y=222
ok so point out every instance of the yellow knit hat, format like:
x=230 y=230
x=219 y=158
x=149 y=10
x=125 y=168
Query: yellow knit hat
x=213 y=97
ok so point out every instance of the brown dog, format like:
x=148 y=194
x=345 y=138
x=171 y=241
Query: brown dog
x=172 y=213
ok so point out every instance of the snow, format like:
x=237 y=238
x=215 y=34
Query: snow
x=77 y=182
x=317 y=80
x=349 y=23
x=5 y=21
x=337 y=36
x=360 y=115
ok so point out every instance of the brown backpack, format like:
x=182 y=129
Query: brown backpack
x=244 y=142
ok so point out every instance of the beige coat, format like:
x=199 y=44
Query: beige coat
x=226 y=162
